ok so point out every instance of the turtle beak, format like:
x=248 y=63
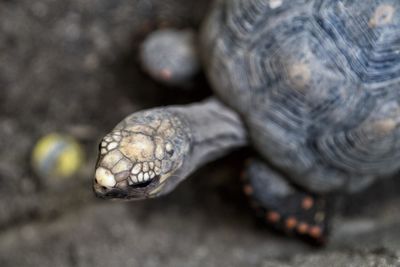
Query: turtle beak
x=108 y=193
x=127 y=192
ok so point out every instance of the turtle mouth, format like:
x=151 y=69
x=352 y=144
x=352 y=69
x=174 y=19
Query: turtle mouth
x=141 y=184
x=137 y=191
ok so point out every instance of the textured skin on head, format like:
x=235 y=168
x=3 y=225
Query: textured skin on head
x=317 y=83
x=145 y=147
x=150 y=152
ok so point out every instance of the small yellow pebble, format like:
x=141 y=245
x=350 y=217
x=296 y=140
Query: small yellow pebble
x=57 y=156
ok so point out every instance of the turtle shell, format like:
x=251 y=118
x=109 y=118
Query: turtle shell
x=317 y=83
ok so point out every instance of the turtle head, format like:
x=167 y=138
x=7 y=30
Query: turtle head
x=143 y=156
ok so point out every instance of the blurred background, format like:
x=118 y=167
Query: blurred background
x=69 y=72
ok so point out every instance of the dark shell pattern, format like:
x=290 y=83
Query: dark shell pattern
x=317 y=83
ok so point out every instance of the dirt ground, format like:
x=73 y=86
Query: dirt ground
x=71 y=67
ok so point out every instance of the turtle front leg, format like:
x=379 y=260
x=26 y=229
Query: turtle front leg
x=284 y=207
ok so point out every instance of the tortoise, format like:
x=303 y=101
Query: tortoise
x=311 y=85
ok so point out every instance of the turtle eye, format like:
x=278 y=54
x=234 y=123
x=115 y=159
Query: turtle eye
x=169 y=149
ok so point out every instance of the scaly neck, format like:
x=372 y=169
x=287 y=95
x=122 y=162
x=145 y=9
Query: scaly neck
x=215 y=131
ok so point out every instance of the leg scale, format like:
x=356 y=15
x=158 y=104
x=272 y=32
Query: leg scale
x=285 y=207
